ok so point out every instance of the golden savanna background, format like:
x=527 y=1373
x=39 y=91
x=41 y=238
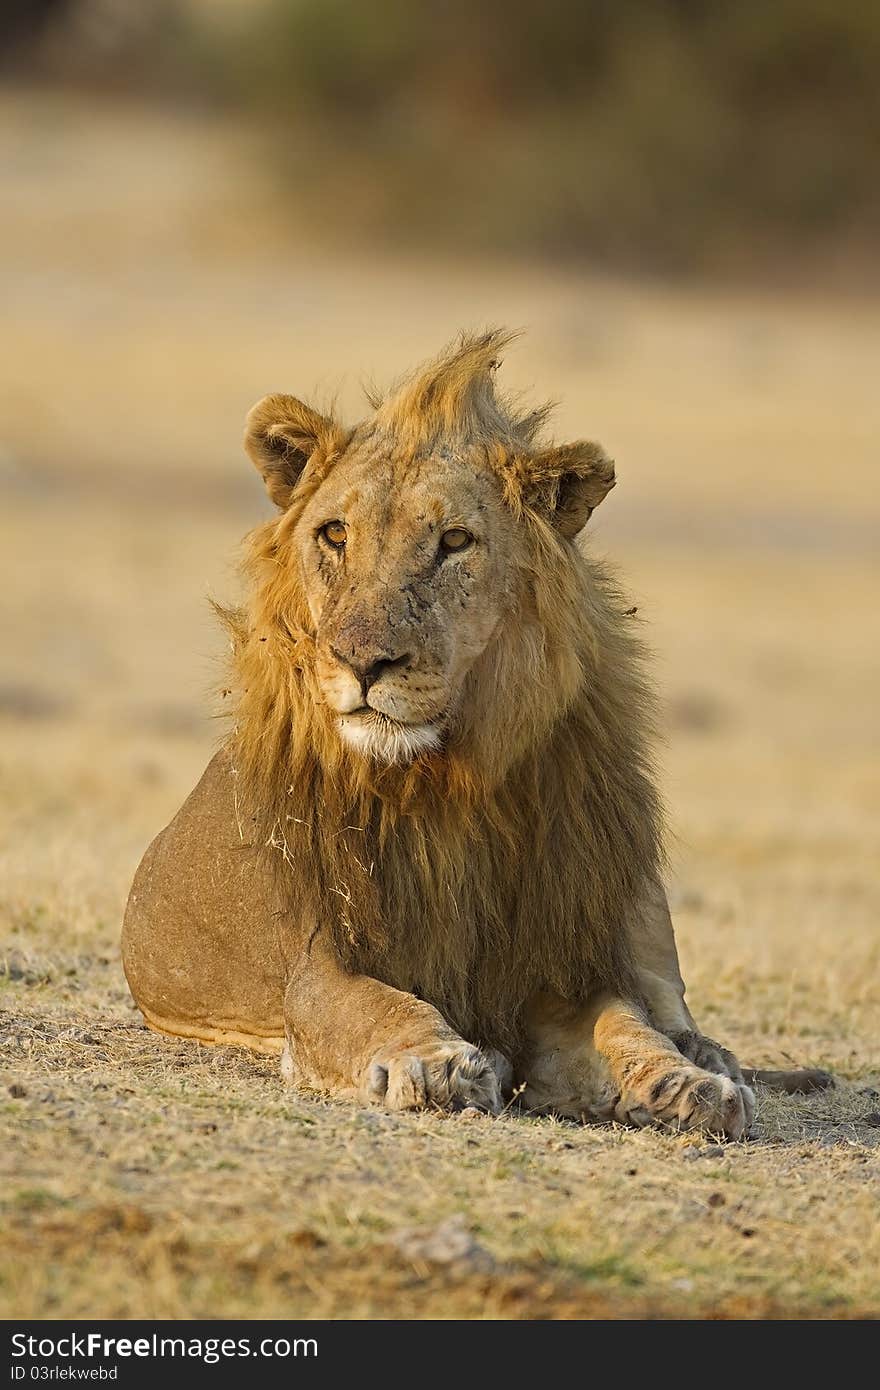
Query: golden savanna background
x=204 y=202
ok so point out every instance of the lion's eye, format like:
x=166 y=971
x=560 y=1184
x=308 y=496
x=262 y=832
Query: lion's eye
x=334 y=533
x=455 y=540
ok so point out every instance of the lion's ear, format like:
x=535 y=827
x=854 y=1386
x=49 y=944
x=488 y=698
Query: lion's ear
x=281 y=435
x=574 y=478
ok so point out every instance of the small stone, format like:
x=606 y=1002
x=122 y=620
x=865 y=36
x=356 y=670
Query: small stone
x=716 y=1199
x=450 y=1243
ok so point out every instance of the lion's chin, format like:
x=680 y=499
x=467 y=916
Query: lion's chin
x=385 y=740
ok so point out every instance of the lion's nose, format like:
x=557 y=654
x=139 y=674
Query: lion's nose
x=369 y=669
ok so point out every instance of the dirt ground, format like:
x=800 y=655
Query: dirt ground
x=153 y=287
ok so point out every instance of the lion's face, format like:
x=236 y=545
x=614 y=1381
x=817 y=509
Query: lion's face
x=407 y=573
x=407 y=542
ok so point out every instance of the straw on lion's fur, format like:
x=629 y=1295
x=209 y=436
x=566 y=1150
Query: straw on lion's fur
x=510 y=861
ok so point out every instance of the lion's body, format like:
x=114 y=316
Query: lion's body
x=434 y=820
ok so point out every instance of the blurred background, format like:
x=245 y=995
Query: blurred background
x=204 y=200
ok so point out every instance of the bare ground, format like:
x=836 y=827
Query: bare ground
x=153 y=289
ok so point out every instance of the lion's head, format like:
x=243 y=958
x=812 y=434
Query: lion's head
x=406 y=546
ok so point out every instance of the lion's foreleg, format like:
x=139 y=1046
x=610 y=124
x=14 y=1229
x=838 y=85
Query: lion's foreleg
x=662 y=989
x=604 y=1060
x=656 y=959
x=350 y=1033
x=658 y=1084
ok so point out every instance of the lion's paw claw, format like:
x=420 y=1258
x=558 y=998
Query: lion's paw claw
x=688 y=1098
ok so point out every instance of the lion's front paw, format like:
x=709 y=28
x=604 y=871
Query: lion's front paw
x=449 y=1075
x=687 y=1097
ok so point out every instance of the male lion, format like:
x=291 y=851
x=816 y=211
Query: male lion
x=428 y=855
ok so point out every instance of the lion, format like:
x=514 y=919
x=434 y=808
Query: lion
x=425 y=865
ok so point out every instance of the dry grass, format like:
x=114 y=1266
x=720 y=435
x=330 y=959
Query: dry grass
x=143 y=1177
